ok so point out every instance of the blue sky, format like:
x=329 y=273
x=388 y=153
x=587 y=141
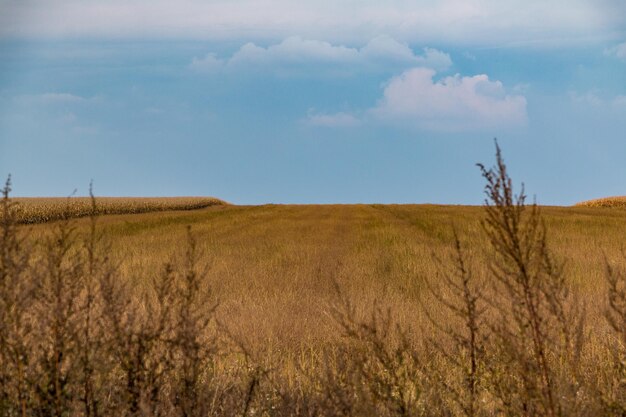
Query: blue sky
x=276 y=101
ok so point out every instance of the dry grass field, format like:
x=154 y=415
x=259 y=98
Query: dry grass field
x=272 y=267
x=322 y=310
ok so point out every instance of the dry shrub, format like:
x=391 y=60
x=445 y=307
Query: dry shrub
x=539 y=327
x=459 y=344
x=514 y=343
x=78 y=338
x=16 y=299
x=613 y=388
x=383 y=365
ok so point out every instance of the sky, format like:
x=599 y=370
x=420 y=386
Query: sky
x=284 y=101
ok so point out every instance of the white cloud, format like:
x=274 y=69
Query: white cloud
x=618 y=51
x=57 y=111
x=340 y=119
x=69 y=117
x=451 y=104
x=380 y=52
x=595 y=98
x=589 y=98
x=387 y=49
x=620 y=101
x=484 y=22
x=210 y=63
x=52 y=98
x=294 y=50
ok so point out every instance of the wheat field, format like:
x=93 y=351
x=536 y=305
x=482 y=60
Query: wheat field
x=272 y=267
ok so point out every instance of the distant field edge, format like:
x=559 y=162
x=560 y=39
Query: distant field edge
x=612 y=202
x=32 y=210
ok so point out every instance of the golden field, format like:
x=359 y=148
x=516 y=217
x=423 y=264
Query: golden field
x=272 y=266
x=299 y=287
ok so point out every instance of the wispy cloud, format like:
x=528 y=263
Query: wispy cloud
x=297 y=53
x=60 y=111
x=596 y=98
x=618 y=51
x=589 y=98
x=51 y=98
x=464 y=21
x=451 y=104
x=208 y=64
x=340 y=119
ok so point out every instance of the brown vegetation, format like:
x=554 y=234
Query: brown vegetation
x=510 y=309
x=604 y=202
x=41 y=210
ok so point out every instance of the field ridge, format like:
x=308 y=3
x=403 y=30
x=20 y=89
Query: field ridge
x=32 y=210
x=615 y=201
